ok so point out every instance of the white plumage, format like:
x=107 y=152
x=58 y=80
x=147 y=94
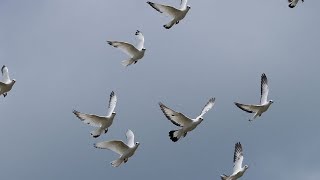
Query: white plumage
x=6 y=84
x=135 y=53
x=176 y=14
x=238 y=170
x=124 y=150
x=181 y=120
x=264 y=103
x=101 y=122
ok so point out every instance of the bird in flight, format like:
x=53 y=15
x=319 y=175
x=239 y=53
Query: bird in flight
x=124 y=150
x=264 y=103
x=176 y=14
x=101 y=122
x=135 y=53
x=6 y=84
x=293 y=3
x=183 y=121
x=238 y=170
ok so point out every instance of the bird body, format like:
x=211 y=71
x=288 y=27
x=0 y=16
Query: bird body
x=135 y=53
x=6 y=84
x=101 y=122
x=124 y=150
x=264 y=103
x=176 y=14
x=187 y=124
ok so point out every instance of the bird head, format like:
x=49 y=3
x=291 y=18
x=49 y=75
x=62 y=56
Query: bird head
x=246 y=167
x=13 y=81
x=188 y=7
x=270 y=101
x=137 y=143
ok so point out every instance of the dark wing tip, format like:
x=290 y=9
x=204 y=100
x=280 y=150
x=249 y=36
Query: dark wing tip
x=171 y=135
x=109 y=42
x=77 y=113
x=263 y=76
x=3 y=68
x=237 y=150
x=240 y=106
x=111 y=94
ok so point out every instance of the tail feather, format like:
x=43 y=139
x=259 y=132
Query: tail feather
x=292 y=5
x=169 y=25
x=116 y=163
x=96 y=133
x=128 y=62
x=175 y=135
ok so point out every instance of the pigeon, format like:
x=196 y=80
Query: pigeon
x=238 y=170
x=135 y=53
x=293 y=3
x=264 y=103
x=176 y=14
x=124 y=150
x=102 y=122
x=6 y=84
x=181 y=120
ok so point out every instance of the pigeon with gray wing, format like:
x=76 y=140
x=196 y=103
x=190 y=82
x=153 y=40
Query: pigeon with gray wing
x=264 y=102
x=135 y=53
x=124 y=150
x=6 y=84
x=181 y=120
x=238 y=170
x=101 y=122
x=176 y=14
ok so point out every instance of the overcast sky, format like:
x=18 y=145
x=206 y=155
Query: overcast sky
x=57 y=53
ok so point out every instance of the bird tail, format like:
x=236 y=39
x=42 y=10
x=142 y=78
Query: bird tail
x=116 y=163
x=224 y=177
x=96 y=133
x=175 y=135
x=127 y=62
x=169 y=25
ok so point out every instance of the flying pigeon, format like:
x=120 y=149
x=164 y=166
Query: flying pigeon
x=101 y=122
x=238 y=170
x=135 y=53
x=181 y=120
x=176 y=14
x=293 y=3
x=264 y=103
x=124 y=150
x=6 y=84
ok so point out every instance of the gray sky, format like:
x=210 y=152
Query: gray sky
x=56 y=51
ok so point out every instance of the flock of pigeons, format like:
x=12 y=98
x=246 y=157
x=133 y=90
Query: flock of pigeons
x=186 y=124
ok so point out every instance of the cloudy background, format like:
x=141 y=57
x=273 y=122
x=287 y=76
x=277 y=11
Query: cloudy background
x=56 y=51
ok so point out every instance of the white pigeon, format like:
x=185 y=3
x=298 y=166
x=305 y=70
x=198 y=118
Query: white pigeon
x=176 y=14
x=124 y=150
x=6 y=84
x=101 y=122
x=181 y=120
x=135 y=53
x=264 y=103
x=238 y=170
x=293 y=3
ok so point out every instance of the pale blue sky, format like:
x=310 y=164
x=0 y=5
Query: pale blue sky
x=56 y=51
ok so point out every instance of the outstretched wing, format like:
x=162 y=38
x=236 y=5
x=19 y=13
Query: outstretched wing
x=248 y=108
x=208 y=106
x=125 y=47
x=90 y=119
x=130 y=138
x=237 y=158
x=168 y=10
x=112 y=104
x=175 y=117
x=116 y=146
x=5 y=74
x=264 y=89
